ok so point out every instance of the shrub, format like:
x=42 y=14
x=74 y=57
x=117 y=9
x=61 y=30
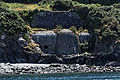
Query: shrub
x=116 y=5
x=73 y=29
x=63 y=5
x=11 y=5
x=31 y=46
x=83 y=10
x=103 y=2
x=11 y=23
x=27 y=15
x=105 y=21
x=84 y=46
x=58 y=29
x=22 y=1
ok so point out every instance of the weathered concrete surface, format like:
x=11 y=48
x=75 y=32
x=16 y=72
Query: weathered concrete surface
x=50 y=20
x=67 y=43
x=46 y=40
x=84 y=37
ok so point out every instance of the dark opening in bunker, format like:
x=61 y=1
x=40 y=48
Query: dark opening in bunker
x=46 y=47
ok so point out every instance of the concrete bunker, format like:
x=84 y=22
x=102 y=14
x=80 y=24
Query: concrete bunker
x=46 y=40
x=63 y=43
x=50 y=20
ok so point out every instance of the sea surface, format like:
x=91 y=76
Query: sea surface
x=64 y=76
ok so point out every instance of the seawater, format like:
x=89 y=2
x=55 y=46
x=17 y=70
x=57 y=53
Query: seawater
x=64 y=76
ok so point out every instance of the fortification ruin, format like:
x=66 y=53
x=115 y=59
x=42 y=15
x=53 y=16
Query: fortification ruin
x=63 y=43
x=50 y=20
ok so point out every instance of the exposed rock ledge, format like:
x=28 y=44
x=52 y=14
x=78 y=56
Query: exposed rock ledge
x=52 y=68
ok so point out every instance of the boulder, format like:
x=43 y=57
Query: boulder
x=46 y=40
x=75 y=59
x=50 y=58
x=22 y=42
x=3 y=36
x=115 y=47
x=2 y=45
x=67 y=43
x=113 y=64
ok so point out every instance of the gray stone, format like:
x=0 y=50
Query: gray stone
x=50 y=58
x=3 y=36
x=67 y=43
x=2 y=45
x=115 y=47
x=22 y=42
x=113 y=64
x=46 y=40
x=84 y=37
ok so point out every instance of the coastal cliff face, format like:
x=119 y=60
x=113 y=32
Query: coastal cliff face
x=67 y=46
x=18 y=50
x=12 y=50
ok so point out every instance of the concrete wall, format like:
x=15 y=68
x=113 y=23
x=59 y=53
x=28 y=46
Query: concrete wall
x=51 y=19
x=65 y=42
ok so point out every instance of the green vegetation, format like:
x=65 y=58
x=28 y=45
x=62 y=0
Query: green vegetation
x=103 y=2
x=27 y=15
x=11 y=23
x=73 y=29
x=58 y=29
x=22 y=1
x=105 y=21
x=99 y=17
x=62 y=5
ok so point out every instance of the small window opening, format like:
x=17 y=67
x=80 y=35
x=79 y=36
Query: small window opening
x=45 y=47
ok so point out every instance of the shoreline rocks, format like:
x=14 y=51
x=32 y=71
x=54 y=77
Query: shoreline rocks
x=53 y=68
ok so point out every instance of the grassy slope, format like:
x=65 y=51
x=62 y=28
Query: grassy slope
x=19 y=6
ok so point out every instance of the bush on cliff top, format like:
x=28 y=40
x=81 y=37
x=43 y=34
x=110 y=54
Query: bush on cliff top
x=27 y=15
x=105 y=21
x=103 y=2
x=11 y=23
x=22 y=1
x=63 y=5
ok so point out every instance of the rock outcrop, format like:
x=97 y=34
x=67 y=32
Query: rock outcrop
x=115 y=47
x=12 y=51
x=50 y=20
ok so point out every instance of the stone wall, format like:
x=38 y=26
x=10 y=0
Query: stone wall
x=51 y=19
x=46 y=40
x=64 y=42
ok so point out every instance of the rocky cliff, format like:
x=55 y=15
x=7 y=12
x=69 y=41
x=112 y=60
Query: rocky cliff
x=12 y=50
x=63 y=47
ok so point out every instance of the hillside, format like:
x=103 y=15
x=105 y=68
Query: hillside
x=99 y=19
